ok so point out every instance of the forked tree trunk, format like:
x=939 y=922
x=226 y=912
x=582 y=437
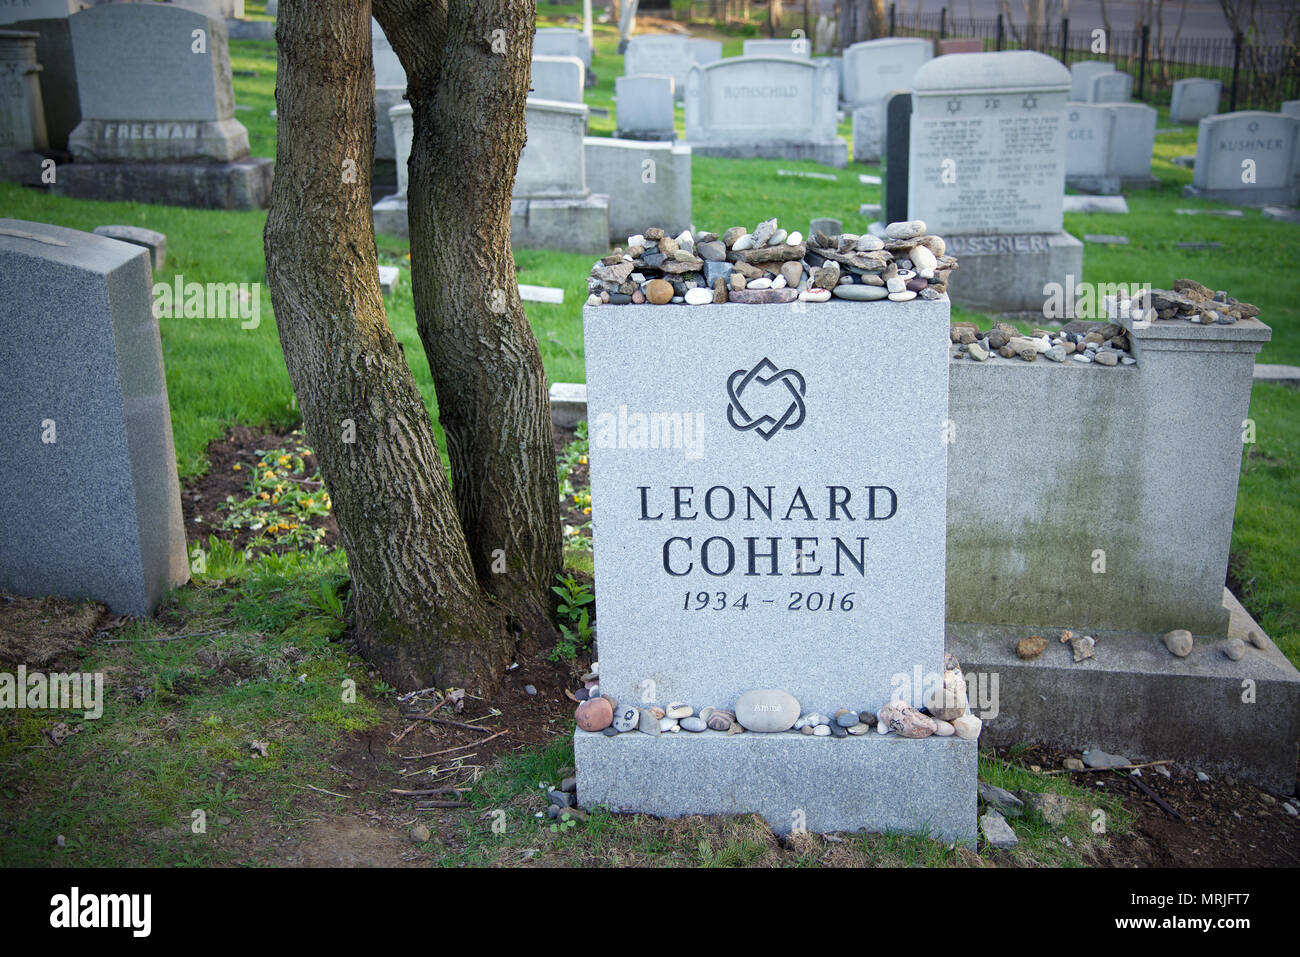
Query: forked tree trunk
x=468 y=66
x=420 y=615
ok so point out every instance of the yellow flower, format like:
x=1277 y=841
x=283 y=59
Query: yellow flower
x=582 y=460
x=283 y=460
x=275 y=499
x=587 y=510
x=308 y=503
x=237 y=467
x=268 y=475
x=264 y=496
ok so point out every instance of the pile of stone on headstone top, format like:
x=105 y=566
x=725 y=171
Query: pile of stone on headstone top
x=1193 y=302
x=1101 y=343
x=771 y=265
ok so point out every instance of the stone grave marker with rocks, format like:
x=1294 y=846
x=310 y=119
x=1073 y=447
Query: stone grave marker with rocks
x=552 y=207
x=557 y=78
x=731 y=104
x=1194 y=99
x=644 y=106
x=987 y=172
x=1247 y=158
x=1110 y=87
x=90 y=504
x=872 y=70
x=1081 y=75
x=769 y=551
x=157 y=117
x=390 y=212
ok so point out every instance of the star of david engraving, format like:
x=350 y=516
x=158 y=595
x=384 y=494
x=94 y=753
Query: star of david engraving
x=1030 y=102
x=954 y=105
x=765 y=374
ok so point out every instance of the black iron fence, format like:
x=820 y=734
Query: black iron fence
x=1254 y=75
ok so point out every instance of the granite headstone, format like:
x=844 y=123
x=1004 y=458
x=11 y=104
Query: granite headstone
x=1193 y=99
x=1081 y=75
x=1247 y=158
x=644 y=105
x=557 y=78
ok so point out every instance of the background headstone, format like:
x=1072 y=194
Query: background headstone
x=616 y=168
x=1081 y=75
x=644 y=107
x=793 y=46
x=552 y=206
x=663 y=54
x=1194 y=99
x=1225 y=143
x=558 y=78
x=561 y=41
x=390 y=89
x=898 y=114
x=150 y=239
x=90 y=502
x=58 y=77
x=873 y=70
x=730 y=107
x=958 y=45
x=12 y=11
x=1110 y=87
x=22 y=117
x=987 y=172
x=390 y=212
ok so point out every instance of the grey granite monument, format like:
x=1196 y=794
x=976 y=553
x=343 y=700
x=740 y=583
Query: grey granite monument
x=1247 y=158
x=90 y=503
x=157 y=112
x=770 y=514
x=23 y=139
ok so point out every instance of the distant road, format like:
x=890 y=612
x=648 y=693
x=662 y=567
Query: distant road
x=1203 y=18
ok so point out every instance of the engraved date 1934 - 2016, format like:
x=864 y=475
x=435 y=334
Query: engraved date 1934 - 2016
x=797 y=601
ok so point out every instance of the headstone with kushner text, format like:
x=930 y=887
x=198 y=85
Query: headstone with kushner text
x=1247 y=158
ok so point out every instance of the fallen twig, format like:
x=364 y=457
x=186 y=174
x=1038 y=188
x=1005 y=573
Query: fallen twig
x=426 y=792
x=1155 y=797
x=1122 y=767
x=198 y=634
x=456 y=724
x=312 y=787
x=459 y=747
x=427 y=805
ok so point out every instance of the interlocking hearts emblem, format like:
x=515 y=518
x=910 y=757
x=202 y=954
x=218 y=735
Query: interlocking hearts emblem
x=765 y=425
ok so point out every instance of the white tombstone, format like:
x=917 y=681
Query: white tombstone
x=621 y=168
x=561 y=41
x=390 y=88
x=552 y=207
x=663 y=54
x=704 y=51
x=774 y=107
x=1109 y=147
x=557 y=78
x=1194 y=99
x=1081 y=75
x=644 y=107
x=1247 y=158
x=791 y=46
x=987 y=172
x=1135 y=141
x=1111 y=87
x=1090 y=136
x=873 y=68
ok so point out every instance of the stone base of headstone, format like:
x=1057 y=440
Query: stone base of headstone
x=21 y=166
x=390 y=216
x=617 y=168
x=251 y=29
x=243 y=184
x=1143 y=702
x=869 y=783
x=1250 y=196
x=648 y=136
x=834 y=154
x=1007 y=273
x=568 y=404
x=1094 y=204
x=1110 y=185
x=107 y=141
x=577 y=225
x=1281 y=214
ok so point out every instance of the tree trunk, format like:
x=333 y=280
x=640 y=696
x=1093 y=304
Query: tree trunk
x=468 y=64
x=420 y=616
x=877 y=20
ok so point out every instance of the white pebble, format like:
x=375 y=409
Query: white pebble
x=744 y=242
x=815 y=295
x=896 y=284
x=637 y=240
x=907 y=230
x=905 y=296
x=794 y=239
x=779 y=282
x=698 y=296
x=762 y=282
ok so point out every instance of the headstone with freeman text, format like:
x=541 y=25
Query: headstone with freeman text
x=730 y=105
x=89 y=497
x=157 y=112
x=1247 y=158
x=987 y=172
x=759 y=525
x=1194 y=98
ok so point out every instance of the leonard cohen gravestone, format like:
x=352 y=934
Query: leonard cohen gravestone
x=157 y=112
x=89 y=500
x=731 y=106
x=987 y=172
x=1247 y=158
x=769 y=511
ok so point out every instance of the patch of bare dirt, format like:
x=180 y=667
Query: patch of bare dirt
x=46 y=632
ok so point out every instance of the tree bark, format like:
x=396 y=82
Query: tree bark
x=468 y=65
x=420 y=616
